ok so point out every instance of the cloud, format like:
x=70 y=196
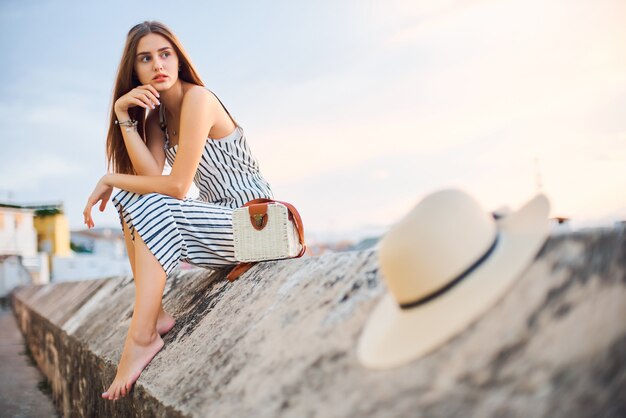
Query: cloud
x=488 y=66
x=428 y=16
x=411 y=97
x=16 y=174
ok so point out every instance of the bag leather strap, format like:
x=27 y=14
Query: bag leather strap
x=238 y=270
x=241 y=268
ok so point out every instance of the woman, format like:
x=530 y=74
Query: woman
x=188 y=126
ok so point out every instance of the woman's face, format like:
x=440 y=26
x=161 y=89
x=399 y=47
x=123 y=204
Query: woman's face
x=155 y=55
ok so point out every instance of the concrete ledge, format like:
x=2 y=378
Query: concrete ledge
x=281 y=341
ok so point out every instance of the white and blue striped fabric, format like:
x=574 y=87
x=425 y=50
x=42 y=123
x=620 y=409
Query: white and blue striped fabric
x=197 y=230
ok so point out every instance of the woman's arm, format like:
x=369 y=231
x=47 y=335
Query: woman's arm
x=198 y=114
x=146 y=159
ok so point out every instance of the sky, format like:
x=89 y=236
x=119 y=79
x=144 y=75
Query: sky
x=356 y=110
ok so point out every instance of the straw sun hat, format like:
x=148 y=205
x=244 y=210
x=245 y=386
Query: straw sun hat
x=445 y=263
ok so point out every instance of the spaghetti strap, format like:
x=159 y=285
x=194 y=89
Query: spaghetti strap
x=163 y=125
x=163 y=120
x=231 y=116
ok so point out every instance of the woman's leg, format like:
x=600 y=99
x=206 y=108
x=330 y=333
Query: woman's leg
x=143 y=341
x=165 y=321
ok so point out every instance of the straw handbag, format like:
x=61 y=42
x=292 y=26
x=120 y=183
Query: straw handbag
x=265 y=229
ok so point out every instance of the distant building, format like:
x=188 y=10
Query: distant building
x=365 y=244
x=53 y=233
x=97 y=253
x=17 y=233
x=20 y=261
x=560 y=225
x=314 y=249
x=101 y=241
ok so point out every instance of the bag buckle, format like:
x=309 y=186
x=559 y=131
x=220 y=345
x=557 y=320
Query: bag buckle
x=258 y=216
x=258 y=220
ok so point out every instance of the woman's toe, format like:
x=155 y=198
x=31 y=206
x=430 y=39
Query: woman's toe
x=109 y=392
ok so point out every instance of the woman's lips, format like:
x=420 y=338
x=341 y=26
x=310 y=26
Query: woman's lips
x=158 y=79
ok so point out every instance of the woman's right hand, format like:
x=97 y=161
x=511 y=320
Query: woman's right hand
x=146 y=96
x=101 y=193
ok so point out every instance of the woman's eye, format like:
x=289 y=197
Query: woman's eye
x=167 y=54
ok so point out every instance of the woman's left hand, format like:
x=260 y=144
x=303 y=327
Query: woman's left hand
x=101 y=192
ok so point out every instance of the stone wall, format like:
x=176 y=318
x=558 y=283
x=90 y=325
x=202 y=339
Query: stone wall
x=281 y=341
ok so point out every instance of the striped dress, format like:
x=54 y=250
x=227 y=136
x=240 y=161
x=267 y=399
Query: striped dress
x=197 y=231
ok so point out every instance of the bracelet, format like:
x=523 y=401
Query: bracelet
x=130 y=124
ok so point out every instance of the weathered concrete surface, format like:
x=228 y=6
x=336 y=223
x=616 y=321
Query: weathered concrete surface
x=281 y=341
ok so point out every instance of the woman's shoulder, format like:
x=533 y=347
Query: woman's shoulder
x=199 y=94
x=196 y=90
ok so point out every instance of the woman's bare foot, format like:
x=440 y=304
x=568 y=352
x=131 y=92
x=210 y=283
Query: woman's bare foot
x=135 y=357
x=165 y=322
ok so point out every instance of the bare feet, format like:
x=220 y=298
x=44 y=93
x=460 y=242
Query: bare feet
x=165 y=322
x=135 y=357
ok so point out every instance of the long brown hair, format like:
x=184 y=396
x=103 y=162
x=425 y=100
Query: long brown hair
x=126 y=80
